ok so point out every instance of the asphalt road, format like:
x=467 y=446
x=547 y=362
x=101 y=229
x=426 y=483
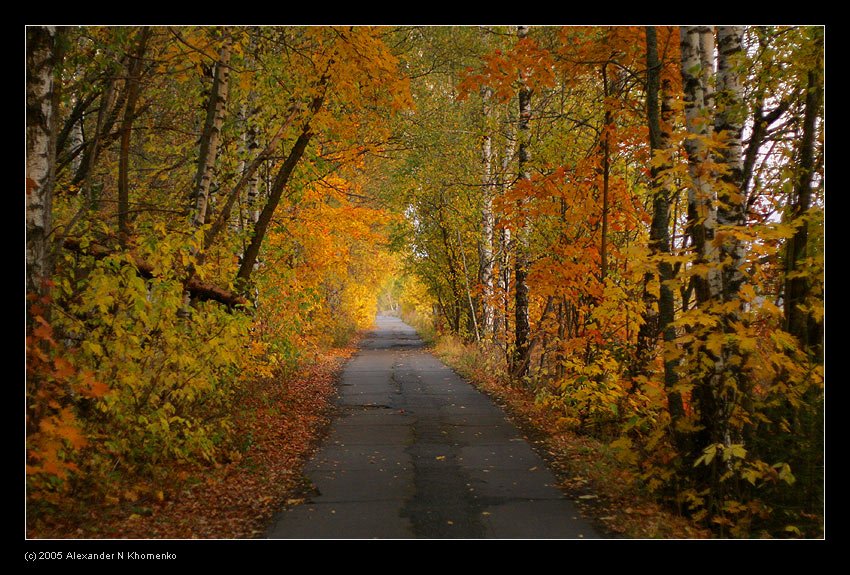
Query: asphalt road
x=417 y=452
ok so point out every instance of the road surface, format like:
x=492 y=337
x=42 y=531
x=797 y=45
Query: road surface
x=417 y=452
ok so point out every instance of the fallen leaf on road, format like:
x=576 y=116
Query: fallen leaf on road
x=440 y=457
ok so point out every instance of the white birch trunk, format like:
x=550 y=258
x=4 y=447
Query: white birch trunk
x=731 y=211
x=216 y=111
x=247 y=150
x=40 y=152
x=729 y=126
x=252 y=193
x=487 y=222
x=706 y=59
x=698 y=96
x=716 y=204
x=249 y=216
x=75 y=140
x=500 y=319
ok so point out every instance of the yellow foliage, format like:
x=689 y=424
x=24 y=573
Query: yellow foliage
x=331 y=266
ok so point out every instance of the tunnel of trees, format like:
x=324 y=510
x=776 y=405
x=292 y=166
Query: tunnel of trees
x=627 y=220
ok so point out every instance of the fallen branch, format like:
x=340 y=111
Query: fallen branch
x=197 y=289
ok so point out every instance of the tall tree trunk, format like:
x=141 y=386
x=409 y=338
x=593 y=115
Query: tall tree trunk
x=41 y=60
x=522 y=327
x=702 y=222
x=729 y=126
x=452 y=272
x=248 y=216
x=606 y=173
x=649 y=330
x=501 y=319
x=799 y=322
x=485 y=255
x=713 y=219
x=134 y=70
x=659 y=322
x=75 y=139
x=716 y=398
x=472 y=317
x=249 y=143
x=216 y=111
x=702 y=217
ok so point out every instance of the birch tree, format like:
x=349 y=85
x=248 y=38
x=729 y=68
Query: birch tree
x=729 y=126
x=41 y=151
x=216 y=112
x=698 y=97
x=501 y=322
x=716 y=207
x=486 y=256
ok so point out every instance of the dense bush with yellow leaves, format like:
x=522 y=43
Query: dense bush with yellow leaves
x=146 y=379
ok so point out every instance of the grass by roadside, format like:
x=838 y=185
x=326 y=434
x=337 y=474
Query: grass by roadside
x=586 y=468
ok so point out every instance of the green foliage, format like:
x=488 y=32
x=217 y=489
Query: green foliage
x=165 y=372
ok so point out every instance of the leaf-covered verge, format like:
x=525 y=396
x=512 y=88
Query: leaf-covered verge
x=280 y=423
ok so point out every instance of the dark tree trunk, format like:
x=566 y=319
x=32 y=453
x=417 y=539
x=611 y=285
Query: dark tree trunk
x=659 y=233
x=133 y=83
x=522 y=327
x=797 y=288
x=606 y=174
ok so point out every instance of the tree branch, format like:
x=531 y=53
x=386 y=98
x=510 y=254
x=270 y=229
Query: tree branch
x=197 y=288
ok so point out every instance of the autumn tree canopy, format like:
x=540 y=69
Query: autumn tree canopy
x=628 y=220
